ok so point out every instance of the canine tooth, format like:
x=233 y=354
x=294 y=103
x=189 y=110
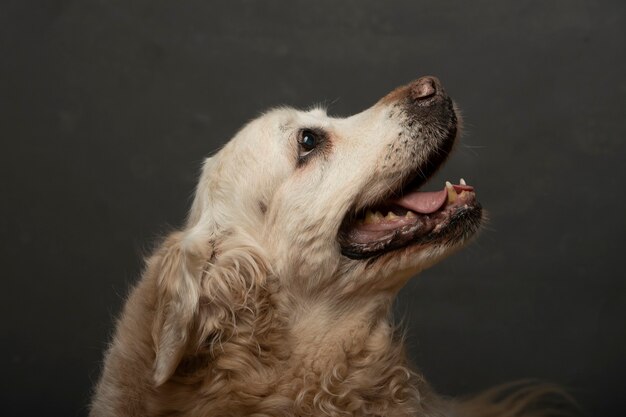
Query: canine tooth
x=462 y=182
x=391 y=215
x=378 y=217
x=410 y=215
x=451 y=192
x=369 y=217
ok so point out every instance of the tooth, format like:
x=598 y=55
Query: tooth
x=378 y=217
x=410 y=215
x=462 y=182
x=451 y=192
x=391 y=216
x=369 y=217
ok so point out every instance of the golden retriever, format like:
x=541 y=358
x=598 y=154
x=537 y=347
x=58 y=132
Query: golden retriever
x=274 y=298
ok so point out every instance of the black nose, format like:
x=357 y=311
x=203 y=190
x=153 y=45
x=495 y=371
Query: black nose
x=425 y=88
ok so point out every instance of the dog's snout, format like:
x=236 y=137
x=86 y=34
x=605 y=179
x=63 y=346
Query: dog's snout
x=425 y=88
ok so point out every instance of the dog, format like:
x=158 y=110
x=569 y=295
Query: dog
x=274 y=298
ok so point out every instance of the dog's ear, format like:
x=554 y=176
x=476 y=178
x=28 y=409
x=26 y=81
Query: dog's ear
x=180 y=268
x=208 y=292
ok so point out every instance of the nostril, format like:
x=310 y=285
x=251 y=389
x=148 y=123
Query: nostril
x=424 y=87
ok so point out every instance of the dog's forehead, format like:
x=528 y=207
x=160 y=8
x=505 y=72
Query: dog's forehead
x=289 y=119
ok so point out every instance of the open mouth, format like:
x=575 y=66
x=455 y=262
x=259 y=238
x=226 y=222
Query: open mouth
x=411 y=217
x=408 y=217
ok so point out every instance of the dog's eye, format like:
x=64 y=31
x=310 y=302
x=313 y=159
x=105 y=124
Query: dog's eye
x=308 y=141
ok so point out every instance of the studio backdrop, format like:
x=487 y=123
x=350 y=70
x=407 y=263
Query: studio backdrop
x=107 y=109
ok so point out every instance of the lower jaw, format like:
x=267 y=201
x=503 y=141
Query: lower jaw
x=451 y=227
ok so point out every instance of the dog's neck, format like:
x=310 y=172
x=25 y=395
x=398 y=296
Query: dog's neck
x=317 y=327
x=350 y=352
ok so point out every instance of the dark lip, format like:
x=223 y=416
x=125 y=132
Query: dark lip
x=417 y=177
x=436 y=160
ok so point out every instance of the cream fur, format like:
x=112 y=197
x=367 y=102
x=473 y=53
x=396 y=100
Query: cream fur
x=250 y=309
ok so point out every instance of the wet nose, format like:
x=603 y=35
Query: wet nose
x=425 y=87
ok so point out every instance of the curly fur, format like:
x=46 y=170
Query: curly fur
x=250 y=309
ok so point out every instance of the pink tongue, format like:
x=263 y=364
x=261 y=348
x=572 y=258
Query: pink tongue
x=423 y=202
x=428 y=201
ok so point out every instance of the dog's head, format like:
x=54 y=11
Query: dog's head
x=336 y=199
x=330 y=205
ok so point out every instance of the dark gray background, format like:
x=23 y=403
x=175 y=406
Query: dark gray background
x=108 y=107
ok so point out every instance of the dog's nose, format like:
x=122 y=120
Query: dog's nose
x=425 y=88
